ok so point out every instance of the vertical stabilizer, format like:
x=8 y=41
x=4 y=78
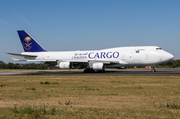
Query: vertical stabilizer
x=28 y=43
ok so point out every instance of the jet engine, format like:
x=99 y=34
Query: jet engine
x=98 y=66
x=65 y=65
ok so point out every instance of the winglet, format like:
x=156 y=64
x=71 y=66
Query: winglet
x=28 y=43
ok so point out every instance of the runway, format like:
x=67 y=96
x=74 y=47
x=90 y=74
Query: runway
x=166 y=71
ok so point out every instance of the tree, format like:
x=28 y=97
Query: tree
x=2 y=65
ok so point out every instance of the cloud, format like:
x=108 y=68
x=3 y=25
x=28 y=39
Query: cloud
x=4 y=22
x=22 y=18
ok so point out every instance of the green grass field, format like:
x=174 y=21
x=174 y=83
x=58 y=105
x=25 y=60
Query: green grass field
x=90 y=97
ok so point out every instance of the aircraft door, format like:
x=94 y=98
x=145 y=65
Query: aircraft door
x=147 y=57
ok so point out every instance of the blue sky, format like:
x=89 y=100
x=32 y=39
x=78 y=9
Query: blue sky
x=65 y=25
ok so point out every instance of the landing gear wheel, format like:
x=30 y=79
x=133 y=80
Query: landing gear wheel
x=89 y=70
x=153 y=70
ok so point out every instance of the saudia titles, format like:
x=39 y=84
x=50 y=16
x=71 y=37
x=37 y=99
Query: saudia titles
x=26 y=43
x=96 y=55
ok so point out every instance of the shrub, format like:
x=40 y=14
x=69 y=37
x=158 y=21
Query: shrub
x=2 y=85
x=67 y=102
x=31 y=88
x=53 y=111
x=46 y=82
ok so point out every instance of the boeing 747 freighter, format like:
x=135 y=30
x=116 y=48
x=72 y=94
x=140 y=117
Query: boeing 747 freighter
x=92 y=60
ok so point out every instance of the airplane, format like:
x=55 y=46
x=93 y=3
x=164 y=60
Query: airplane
x=92 y=60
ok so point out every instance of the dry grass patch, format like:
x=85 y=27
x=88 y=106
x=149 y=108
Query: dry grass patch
x=90 y=96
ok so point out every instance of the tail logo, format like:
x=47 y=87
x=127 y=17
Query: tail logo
x=26 y=43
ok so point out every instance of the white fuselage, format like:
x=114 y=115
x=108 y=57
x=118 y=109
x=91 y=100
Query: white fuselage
x=121 y=56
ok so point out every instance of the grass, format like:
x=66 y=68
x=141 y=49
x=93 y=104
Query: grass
x=31 y=88
x=171 y=106
x=90 y=97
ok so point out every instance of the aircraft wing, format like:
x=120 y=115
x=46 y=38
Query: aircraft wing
x=54 y=62
x=103 y=61
x=91 y=61
x=85 y=63
x=98 y=61
x=72 y=61
x=108 y=62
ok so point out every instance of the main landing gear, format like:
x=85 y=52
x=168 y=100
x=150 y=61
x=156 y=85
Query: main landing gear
x=88 y=70
x=153 y=69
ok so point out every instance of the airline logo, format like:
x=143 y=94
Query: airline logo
x=100 y=55
x=96 y=55
x=26 y=44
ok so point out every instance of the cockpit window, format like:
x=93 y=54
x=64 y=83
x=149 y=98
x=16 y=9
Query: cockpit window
x=158 y=48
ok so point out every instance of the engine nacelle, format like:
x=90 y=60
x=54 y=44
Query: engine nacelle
x=98 y=66
x=65 y=65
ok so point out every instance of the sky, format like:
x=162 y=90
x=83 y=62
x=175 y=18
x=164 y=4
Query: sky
x=67 y=25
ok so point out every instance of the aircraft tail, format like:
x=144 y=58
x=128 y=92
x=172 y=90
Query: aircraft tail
x=28 y=43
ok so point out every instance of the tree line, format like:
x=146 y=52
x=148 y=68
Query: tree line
x=24 y=66
x=170 y=64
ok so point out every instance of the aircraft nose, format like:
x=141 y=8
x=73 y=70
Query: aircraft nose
x=171 y=56
x=166 y=57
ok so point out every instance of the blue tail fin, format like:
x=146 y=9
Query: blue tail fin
x=28 y=43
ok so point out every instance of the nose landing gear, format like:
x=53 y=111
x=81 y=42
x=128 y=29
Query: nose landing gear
x=153 y=69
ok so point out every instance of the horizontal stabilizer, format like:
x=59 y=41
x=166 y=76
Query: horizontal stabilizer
x=16 y=59
x=41 y=60
x=22 y=55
